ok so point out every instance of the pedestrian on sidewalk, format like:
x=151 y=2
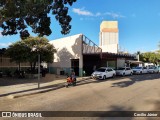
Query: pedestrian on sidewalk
x=71 y=80
x=73 y=77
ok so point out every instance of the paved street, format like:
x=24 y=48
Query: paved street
x=130 y=93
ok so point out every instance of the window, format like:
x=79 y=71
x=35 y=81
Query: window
x=121 y=68
x=100 y=70
x=127 y=68
x=109 y=69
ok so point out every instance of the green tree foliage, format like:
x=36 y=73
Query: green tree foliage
x=2 y=51
x=28 y=50
x=16 y=15
x=152 y=57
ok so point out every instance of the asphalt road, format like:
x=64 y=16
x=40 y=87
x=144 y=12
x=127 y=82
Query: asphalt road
x=130 y=93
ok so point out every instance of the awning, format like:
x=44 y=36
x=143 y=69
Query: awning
x=134 y=62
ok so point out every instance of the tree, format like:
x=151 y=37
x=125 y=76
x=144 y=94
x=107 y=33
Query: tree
x=144 y=56
x=18 y=52
x=152 y=57
x=23 y=51
x=16 y=15
x=2 y=53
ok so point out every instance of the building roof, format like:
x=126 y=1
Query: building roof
x=109 y=26
x=134 y=62
x=108 y=56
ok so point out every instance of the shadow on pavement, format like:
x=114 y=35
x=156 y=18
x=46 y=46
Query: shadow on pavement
x=155 y=102
x=136 y=78
x=90 y=80
x=46 y=88
x=117 y=113
x=42 y=89
x=87 y=81
x=7 y=81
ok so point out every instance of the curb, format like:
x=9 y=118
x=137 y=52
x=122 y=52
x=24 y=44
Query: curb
x=33 y=92
x=61 y=85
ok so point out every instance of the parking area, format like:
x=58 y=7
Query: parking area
x=129 y=93
x=128 y=80
x=107 y=72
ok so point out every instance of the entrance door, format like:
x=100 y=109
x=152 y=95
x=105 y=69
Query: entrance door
x=75 y=66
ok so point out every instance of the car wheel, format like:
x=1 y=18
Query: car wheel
x=123 y=74
x=131 y=73
x=104 y=77
x=113 y=76
x=141 y=73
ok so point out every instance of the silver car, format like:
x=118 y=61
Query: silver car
x=103 y=73
x=124 y=71
x=153 y=70
x=140 y=70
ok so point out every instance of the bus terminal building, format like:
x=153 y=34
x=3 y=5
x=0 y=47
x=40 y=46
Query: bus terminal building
x=78 y=53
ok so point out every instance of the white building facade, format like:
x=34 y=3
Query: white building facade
x=68 y=56
x=77 y=53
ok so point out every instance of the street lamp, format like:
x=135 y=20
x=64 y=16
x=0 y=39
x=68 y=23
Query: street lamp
x=35 y=49
x=38 y=70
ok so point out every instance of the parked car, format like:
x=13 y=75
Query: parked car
x=103 y=73
x=158 y=68
x=140 y=70
x=124 y=71
x=153 y=70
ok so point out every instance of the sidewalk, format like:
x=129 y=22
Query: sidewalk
x=13 y=87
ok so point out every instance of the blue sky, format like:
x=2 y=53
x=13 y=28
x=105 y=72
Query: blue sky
x=139 y=23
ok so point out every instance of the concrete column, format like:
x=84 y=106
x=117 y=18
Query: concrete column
x=81 y=58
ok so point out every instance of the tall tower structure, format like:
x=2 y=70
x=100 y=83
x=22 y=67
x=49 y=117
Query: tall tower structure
x=109 y=36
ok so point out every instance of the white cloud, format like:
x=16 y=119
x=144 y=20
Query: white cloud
x=87 y=18
x=5 y=44
x=98 y=14
x=82 y=11
x=114 y=15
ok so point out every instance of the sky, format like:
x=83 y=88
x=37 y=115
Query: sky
x=138 y=22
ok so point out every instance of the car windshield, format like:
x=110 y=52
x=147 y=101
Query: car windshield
x=138 y=68
x=121 y=69
x=101 y=70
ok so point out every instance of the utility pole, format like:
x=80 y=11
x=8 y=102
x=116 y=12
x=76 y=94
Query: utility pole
x=38 y=70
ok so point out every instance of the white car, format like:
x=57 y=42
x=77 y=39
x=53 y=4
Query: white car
x=103 y=73
x=124 y=71
x=153 y=70
x=140 y=70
